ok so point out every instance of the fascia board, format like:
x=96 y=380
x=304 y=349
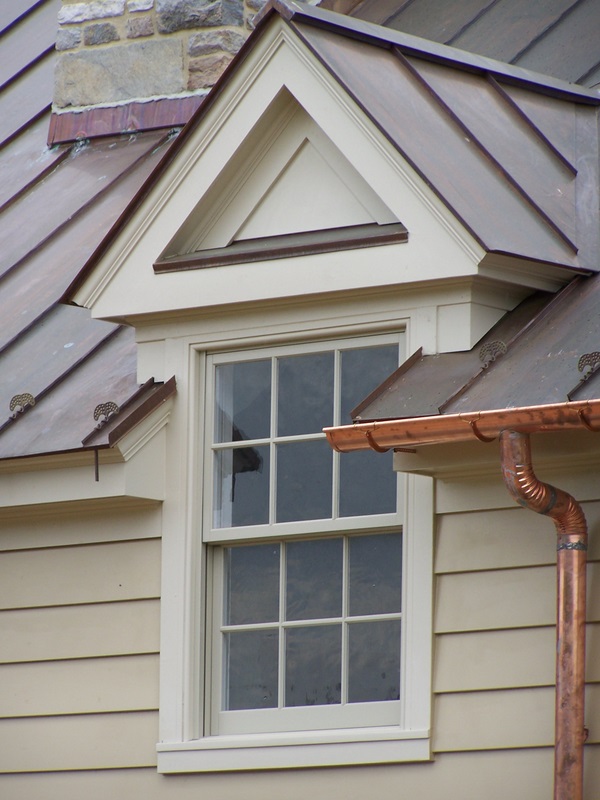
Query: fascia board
x=131 y=473
x=278 y=60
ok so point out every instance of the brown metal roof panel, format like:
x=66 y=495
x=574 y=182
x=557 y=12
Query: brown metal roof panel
x=438 y=148
x=63 y=417
x=544 y=366
x=26 y=97
x=556 y=119
x=47 y=352
x=438 y=20
x=554 y=53
x=25 y=159
x=381 y=12
x=509 y=26
x=431 y=381
x=79 y=179
x=12 y=10
x=40 y=281
x=527 y=158
x=24 y=43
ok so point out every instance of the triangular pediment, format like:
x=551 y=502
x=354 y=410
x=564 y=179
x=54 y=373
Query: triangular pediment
x=299 y=183
x=282 y=187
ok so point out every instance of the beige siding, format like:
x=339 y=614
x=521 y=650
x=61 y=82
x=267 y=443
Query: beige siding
x=101 y=629
x=80 y=741
x=79 y=638
x=494 y=620
x=92 y=573
x=88 y=685
x=514 y=774
x=79 y=666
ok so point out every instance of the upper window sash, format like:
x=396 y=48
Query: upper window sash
x=274 y=449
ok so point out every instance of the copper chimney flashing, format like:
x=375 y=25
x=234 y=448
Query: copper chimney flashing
x=513 y=426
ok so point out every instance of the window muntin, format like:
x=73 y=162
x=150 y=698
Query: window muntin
x=296 y=643
x=329 y=612
x=271 y=464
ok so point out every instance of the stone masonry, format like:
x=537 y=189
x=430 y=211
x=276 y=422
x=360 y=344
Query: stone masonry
x=116 y=51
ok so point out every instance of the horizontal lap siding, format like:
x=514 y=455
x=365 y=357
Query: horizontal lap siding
x=79 y=641
x=494 y=622
x=493 y=775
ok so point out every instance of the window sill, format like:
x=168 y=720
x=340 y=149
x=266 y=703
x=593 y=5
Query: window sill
x=294 y=750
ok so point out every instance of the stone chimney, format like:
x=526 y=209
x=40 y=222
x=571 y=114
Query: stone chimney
x=115 y=53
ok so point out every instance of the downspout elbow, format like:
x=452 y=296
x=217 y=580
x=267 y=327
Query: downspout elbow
x=543 y=498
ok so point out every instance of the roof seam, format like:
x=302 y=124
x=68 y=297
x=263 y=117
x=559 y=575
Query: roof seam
x=38 y=178
x=440 y=53
x=487 y=154
x=15 y=77
x=22 y=16
x=518 y=110
x=476 y=18
x=535 y=320
x=81 y=210
x=582 y=78
x=530 y=45
x=386 y=134
x=64 y=375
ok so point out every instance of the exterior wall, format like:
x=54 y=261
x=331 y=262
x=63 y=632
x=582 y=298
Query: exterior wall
x=79 y=666
x=79 y=599
x=122 y=50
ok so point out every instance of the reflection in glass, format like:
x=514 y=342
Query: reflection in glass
x=241 y=486
x=251 y=669
x=243 y=407
x=367 y=484
x=304 y=479
x=251 y=584
x=374 y=661
x=313 y=665
x=305 y=393
x=314 y=579
x=375 y=577
x=363 y=369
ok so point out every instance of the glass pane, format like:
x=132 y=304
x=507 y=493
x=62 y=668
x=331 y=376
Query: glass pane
x=243 y=401
x=241 y=486
x=374 y=661
x=363 y=370
x=305 y=393
x=304 y=480
x=251 y=669
x=375 y=574
x=367 y=484
x=314 y=579
x=251 y=584
x=313 y=665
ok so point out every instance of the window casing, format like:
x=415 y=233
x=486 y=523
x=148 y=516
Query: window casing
x=271 y=483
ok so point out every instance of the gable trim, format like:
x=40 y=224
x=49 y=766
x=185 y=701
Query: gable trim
x=286 y=246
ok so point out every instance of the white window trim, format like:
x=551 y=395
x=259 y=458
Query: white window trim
x=405 y=742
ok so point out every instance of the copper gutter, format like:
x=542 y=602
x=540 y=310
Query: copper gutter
x=482 y=425
x=513 y=426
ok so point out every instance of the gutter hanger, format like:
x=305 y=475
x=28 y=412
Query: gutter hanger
x=513 y=426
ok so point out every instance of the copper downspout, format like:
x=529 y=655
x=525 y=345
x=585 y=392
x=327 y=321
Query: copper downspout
x=571 y=529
